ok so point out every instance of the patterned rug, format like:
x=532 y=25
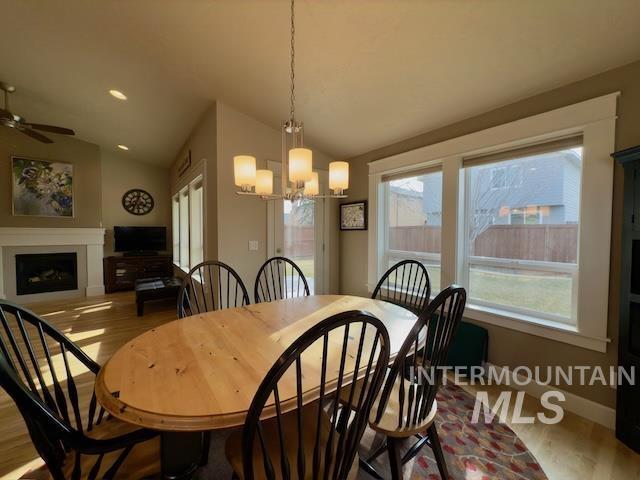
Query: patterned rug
x=481 y=451
x=484 y=451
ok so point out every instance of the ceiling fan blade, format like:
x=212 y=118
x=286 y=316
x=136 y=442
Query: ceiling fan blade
x=51 y=128
x=36 y=135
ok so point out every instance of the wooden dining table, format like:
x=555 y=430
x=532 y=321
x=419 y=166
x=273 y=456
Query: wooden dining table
x=200 y=373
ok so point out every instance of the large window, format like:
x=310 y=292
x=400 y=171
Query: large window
x=188 y=225
x=196 y=227
x=175 y=222
x=521 y=224
x=413 y=222
x=519 y=214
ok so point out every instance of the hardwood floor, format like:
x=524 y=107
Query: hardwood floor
x=574 y=449
x=99 y=325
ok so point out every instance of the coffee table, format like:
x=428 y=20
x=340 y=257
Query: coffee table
x=155 y=289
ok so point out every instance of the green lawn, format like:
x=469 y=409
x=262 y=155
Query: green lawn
x=306 y=265
x=540 y=293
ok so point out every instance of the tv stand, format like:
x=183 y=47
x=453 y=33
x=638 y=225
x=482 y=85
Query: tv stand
x=121 y=273
x=140 y=253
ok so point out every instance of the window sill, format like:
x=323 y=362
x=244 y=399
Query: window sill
x=184 y=269
x=540 y=327
x=536 y=326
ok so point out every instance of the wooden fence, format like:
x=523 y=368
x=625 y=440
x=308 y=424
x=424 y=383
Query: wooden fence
x=299 y=240
x=549 y=243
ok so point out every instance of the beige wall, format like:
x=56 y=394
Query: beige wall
x=120 y=174
x=99 y=180
x=85 y=158
x=202 y=144
x=508 y=347
x=232 y=220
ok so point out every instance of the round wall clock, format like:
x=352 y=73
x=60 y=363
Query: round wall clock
x=137 y=201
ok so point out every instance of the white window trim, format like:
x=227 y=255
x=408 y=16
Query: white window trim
x=196 y=175
x=595 y=120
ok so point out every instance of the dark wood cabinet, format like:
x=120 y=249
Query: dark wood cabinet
x=628 y=404
x=121 y=273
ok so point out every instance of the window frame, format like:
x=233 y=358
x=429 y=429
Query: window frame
x=175 y=228
x=467 y=261
x=196 y=230
x=389 y=252
x=595 y=121
x=186 y=190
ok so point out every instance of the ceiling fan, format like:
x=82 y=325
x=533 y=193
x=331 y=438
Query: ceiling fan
x=12 y=120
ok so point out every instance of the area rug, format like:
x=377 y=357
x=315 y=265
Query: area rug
x=481 y=451
x=484 y=451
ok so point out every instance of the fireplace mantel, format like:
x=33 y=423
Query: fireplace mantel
x=90 y=238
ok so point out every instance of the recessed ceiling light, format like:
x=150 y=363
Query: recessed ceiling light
x=118 y=94
x=123 y=147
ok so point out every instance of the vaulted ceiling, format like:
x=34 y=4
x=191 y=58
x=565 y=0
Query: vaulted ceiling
x=368 y=72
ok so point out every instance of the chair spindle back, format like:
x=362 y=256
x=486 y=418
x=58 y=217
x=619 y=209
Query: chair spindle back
x=211 y=286
x=360 y=347
x=280 y=278
x=423 y=353
x=406 y=284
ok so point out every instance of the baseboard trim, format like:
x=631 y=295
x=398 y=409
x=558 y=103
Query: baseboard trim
x=95 y=290
x=596 y=412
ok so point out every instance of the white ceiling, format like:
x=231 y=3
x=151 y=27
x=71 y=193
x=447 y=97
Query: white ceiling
x=368 y=72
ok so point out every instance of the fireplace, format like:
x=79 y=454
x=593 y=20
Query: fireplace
x=46 y=272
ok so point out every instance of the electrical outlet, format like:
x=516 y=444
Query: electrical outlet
x=253 y=245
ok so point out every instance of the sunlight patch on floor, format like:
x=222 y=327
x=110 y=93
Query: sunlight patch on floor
x=85 y=307
x=76 y=367
x=20 y=471
x=75 y=337
x=51 y=314
x=96 y=309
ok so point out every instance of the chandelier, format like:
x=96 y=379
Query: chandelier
x=299 y=181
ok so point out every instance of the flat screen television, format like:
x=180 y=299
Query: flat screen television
x=140 y=239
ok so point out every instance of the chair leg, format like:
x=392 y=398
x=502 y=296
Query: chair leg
x=378 y=451
x=415 y=449
x=437 y=451
x=393 y=448
x=367 y=467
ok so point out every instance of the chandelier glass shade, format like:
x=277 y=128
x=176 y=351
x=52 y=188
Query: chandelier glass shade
x=264 y=182
x=300 y=165
x=298 y=179
x=244 y=169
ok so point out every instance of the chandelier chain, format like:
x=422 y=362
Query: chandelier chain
x=293 y=61
x=292 y=138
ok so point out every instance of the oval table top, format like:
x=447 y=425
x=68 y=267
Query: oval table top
x=201 y=372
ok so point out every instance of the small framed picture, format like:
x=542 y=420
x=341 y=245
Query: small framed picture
x=353 y=216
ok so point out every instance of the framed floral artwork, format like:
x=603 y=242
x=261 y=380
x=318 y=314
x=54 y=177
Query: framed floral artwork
x=353 y=216
x=41 y=188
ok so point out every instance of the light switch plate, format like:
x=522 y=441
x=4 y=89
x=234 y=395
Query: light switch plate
x=253 y=245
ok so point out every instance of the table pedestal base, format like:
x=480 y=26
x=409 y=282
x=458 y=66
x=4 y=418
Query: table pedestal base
x=181 y=453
